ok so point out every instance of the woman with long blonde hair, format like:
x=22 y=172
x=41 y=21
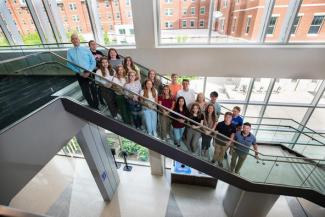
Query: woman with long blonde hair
x=120 y=81
x=150 y=95
x=134 y=86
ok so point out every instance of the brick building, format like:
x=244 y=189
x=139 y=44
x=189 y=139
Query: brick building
x=235 y=18
x=182 y=14
x=242 y=18
x=75 y=16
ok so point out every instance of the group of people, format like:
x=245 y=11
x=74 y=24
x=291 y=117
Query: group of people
x=184 y=116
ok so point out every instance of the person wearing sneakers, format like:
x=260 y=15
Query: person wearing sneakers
x=245 y=139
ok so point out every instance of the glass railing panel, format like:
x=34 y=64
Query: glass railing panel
x=272 y=134
x=122 y=97
x=252 y=169
x=44 y=63
x=311 y=151
x=316 y=138
x=288 y=171
x=256 y=170
x=267 y=169
x=315 y=179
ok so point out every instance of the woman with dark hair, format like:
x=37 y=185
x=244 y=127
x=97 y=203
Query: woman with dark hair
x=192 y=133
x=106 y=70
x=178 y=122
x=113 y=58
x=150 y=95
x=129 y=65
x=134 y=86
x=210 y=121
x=166 y=100
x=152 y=76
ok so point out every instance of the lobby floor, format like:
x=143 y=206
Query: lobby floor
x=66 y=188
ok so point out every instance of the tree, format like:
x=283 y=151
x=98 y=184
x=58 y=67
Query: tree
x=107 y=39
x=32 y=38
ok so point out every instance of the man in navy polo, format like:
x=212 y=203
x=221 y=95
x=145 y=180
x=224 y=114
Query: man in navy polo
x=245 y=139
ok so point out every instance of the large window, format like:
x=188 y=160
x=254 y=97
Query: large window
x=232 y=21
x=236 y=22
x=228 y=88
x=294 y=90
x=259 y=90
x=117 y=22
x=24 y=22
x=310 y=26
x=75 y=18
x=187 y=24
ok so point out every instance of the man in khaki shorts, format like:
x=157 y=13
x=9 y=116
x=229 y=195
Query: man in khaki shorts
x=223 y=141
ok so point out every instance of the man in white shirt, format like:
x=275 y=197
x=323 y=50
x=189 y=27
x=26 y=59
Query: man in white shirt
x=187 y=93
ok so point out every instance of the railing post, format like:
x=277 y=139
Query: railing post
x=274 y=164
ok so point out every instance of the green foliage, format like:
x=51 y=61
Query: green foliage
x=181 y=38
x=132 y=148
x=107 y=39
x=143 y=154
x=3 y=41
x=31 y=38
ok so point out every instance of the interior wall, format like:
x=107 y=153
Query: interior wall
x=234 y=62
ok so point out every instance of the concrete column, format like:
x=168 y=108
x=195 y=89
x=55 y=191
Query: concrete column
x=99 y=159
x=239 y=203
x=156 y=163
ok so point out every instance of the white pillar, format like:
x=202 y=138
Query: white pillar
x=156 y=163
x=239 y=203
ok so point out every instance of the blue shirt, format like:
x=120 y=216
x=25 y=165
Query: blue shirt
x=237 y=121
x=245 y=141
x=82 y=57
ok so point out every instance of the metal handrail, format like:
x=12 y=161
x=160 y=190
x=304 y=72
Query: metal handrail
x=179 y=115
x=312 y=131
x=160 y=75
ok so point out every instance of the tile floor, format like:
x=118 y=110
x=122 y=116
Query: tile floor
x=66 y=188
